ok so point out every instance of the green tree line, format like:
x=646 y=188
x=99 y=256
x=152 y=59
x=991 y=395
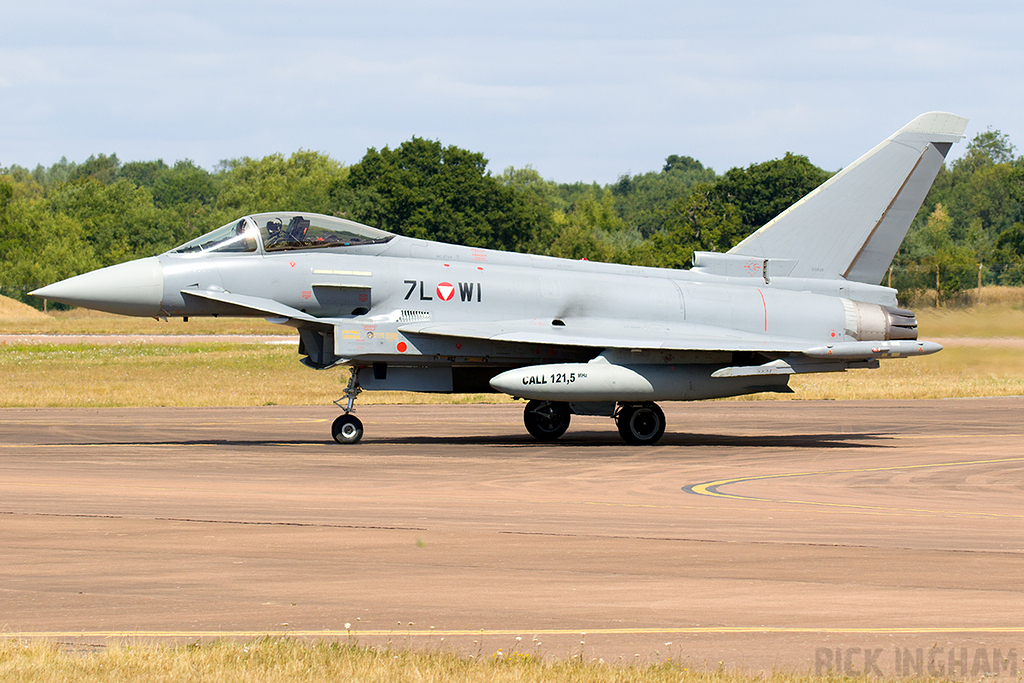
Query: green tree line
x=73 y=217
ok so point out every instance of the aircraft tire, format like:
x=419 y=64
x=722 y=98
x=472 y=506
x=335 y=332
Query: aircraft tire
x=347 y=429
x=640 y=425
x=546 y=420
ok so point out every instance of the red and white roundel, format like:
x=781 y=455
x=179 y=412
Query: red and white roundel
x=445 y=291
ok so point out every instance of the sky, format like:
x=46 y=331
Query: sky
x=580 y=91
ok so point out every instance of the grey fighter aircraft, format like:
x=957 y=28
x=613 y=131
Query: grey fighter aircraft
x=800 y=295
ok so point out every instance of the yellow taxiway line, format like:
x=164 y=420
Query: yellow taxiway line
x=713 y=488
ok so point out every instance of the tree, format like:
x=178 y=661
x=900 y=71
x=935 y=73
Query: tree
x=51 y=249
x=6 y=193
x=58 y=173
x=572 y=193
x=186 y=186
x=423 y=189
x=37 y=247
x=983 y=195
x=103 y=168
x=674 y=162
x=527 y=181
x=986 y=149
x=592 y=231
x=760 y=192
x=303 y=182
x=1010 y=255
x=118 y=220
x=715 y=216
x=143 y=173
x=540 y=199
x=930 y=258
x=643 y=201
x=700 y=222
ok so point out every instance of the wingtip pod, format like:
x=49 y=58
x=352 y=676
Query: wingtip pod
x=879 y=349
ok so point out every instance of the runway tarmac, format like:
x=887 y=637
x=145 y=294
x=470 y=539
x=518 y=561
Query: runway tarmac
x=764 y=535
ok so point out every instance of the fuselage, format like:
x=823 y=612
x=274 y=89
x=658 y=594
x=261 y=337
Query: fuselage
x=365 y=298
x=379 y=287
x=360 y=294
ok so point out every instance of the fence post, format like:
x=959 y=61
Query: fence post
x=979 y=283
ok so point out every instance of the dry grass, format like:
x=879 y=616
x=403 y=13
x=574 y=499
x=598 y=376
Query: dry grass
x=273 y=660
x=990 y=312
x=194 y=374
x=11 y=310
x=956 y=372
x=991 y=295
x=17 y=318
x=227 y=374
x=135 y=374
x=986 y=321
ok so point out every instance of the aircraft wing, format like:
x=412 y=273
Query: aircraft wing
x=242 y=304
x=609 y=333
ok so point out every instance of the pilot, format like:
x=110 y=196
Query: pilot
x=275 y=232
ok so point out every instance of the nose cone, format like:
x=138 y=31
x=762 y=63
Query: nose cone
x=133 y=288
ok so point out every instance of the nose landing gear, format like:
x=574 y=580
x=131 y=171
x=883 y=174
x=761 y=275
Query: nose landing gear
x=348 y=429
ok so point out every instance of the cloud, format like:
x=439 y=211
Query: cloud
x=580 y=90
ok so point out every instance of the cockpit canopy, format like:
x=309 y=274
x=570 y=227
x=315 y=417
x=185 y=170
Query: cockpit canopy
x=284 y=231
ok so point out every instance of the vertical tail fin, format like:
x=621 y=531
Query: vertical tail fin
x=852 y=225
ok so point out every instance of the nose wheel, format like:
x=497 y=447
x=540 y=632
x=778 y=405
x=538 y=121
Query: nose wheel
x=348 y=429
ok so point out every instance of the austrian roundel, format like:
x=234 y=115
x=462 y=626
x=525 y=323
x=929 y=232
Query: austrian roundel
x=445 y=291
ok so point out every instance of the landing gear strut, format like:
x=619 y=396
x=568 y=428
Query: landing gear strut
x=347 y=429
x=640 y=424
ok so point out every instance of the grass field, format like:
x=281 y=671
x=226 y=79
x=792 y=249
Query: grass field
x=988 y=362
x=272 y=660
x=228 y=374
x=1002 y=316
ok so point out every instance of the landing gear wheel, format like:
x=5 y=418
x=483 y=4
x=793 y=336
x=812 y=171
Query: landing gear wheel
x=347 y=429
x=640 y=425
x=546 y=420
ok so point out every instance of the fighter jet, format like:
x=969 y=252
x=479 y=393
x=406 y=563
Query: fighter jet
x=799 y=295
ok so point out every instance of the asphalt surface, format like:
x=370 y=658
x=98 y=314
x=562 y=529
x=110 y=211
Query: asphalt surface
x=762 y=535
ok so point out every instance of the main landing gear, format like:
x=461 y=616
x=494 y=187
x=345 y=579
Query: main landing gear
x=640 y=424
x=348 y=429
x=546 y=420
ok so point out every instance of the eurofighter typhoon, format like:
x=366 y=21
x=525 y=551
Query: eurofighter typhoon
x=799 y=295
